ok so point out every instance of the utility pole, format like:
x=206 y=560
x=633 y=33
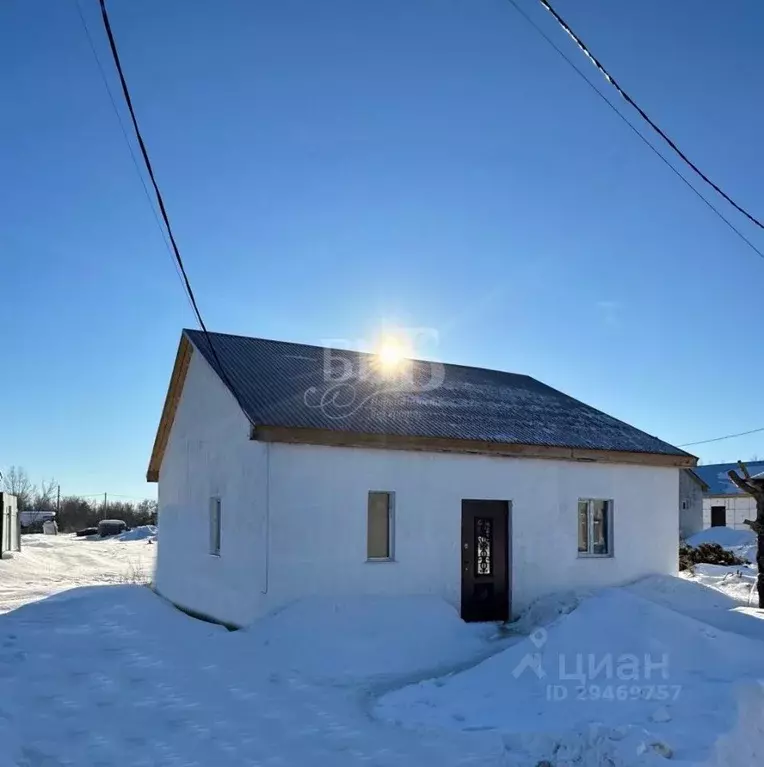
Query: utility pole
x=104 y=505
x=58 y=501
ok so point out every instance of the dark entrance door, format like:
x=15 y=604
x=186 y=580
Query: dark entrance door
x=718 y=516
x=485 y=560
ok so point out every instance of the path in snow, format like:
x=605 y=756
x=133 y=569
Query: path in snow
x=115 y=676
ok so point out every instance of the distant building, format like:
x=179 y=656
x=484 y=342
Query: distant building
x=30 y=518
x=10 y=538
x=724 y=505
x=691 y=489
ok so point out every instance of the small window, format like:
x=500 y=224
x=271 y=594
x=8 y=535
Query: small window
x=379 y=526
x=215 y=526
x=595 y=523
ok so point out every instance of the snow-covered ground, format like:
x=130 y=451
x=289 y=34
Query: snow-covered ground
x=48 y=564
x=664 y=671
x=630 y=676
x=736 y=581
x=116 y=676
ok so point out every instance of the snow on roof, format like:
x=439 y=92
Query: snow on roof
x=286 y=384
x=719 y=483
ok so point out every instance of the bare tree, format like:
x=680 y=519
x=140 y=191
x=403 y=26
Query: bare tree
x=16 y=482
x=44 y=498
x=147 y=511
x=754 y=486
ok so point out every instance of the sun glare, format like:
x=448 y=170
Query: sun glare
x=391 y=354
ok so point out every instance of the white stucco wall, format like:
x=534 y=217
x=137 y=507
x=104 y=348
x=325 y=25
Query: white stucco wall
x=318 y=503
x=294 y=516
x=739 y=508
x=690 y=505
x=209 y=453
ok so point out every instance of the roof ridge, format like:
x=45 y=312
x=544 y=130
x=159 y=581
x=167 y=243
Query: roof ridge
x=367 y=354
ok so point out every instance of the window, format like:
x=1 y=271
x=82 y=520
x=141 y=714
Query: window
x=215 y=526
x=595 y=528
x=379 y=527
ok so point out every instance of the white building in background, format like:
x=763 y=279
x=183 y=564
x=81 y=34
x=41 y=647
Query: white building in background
x=280 y=480
x=723 y=503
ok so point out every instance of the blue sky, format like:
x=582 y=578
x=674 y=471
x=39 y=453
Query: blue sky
x=334 y=167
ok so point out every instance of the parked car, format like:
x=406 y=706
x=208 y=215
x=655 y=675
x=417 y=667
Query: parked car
x=107 y=527
x=86 y=531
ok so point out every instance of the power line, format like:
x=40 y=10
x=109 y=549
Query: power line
x=719 y=439
x=662 y=157
x=136 y=165
x=111 y=495
x=163 y=209
x=634 y=129
x=566 y=27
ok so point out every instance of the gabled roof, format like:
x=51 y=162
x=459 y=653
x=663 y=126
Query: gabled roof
x=290 y=386
x=715 y=476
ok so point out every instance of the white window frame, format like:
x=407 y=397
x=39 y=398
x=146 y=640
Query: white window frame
x=390 y=526
x=216 y=525
x=590 y=553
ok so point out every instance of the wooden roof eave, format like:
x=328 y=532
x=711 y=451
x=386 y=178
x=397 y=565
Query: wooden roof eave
x=174 y=391
x=441 y=445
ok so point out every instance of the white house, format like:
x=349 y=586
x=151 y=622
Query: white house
x=723 y=503
x=287 y=470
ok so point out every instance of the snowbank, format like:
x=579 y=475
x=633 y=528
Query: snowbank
x=618 y=661
x=142 y=533
x=740 y=542
x=724 y=536
x=368 y=637
x=714 y=599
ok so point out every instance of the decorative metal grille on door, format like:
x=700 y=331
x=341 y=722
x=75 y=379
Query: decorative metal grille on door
x=483 y=546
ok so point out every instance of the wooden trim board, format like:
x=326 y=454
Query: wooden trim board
x=298 y=436
x=179 y=371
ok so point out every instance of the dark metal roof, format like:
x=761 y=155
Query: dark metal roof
x=299 y=386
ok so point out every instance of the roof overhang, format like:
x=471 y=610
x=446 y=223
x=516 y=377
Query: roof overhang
x=300 y=436
x=306 y=436
x=179 y=372
x=703 y=484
